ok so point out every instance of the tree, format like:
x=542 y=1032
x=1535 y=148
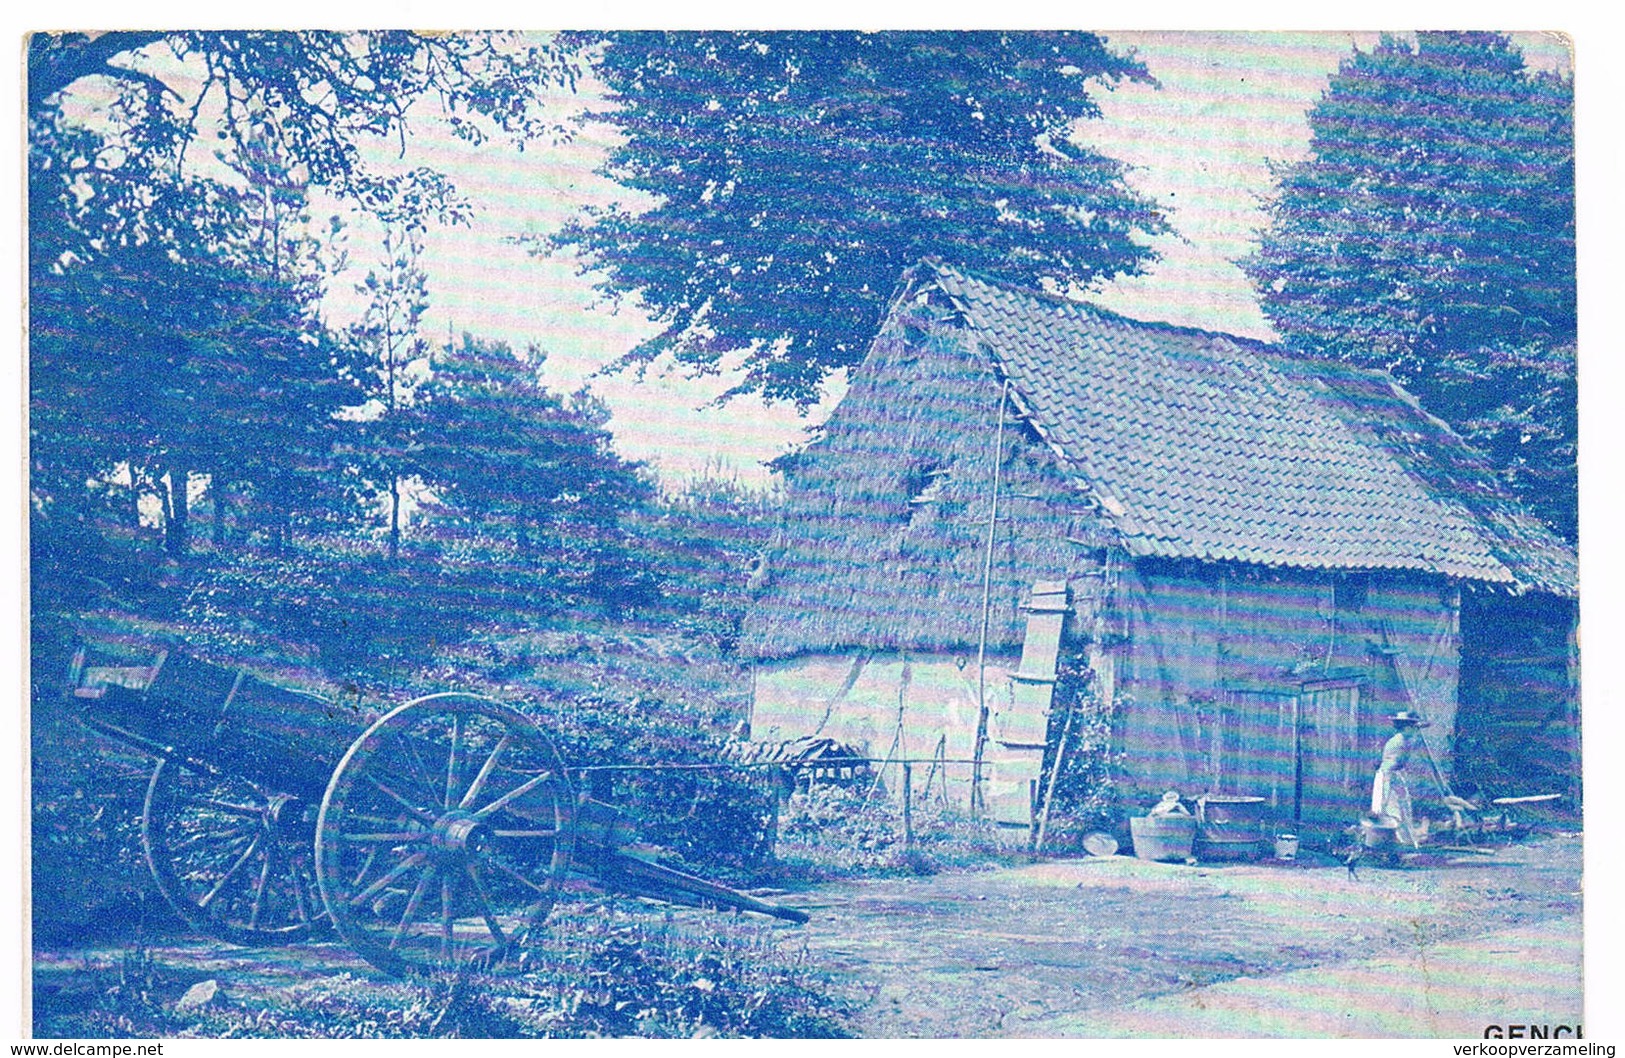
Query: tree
x=508 y=451
x=392 y=353
x=174 y=332
x=709 y=539
x=139 y=267
x=330 y=93
x=277 y=384
x=1430 y=233
x=795 y=175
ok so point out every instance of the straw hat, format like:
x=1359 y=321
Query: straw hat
x=1408 y=716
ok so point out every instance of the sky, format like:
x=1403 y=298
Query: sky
x=1226 y=105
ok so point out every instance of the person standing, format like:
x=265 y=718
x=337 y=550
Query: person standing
x=1390 y=789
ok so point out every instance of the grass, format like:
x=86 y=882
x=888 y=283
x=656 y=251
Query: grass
x=605 y=968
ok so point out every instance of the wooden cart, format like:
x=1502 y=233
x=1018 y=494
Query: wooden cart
x=437 y=835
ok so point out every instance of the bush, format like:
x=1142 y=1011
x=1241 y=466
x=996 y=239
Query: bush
x=610 y=699
x=1086 y=794
x=833 y=830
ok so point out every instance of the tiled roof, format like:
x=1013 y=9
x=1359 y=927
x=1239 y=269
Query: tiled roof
x=1205 y=446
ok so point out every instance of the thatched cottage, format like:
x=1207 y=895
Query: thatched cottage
x=1257 y=555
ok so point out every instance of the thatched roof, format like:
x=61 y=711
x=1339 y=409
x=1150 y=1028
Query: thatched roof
x=1164 y=441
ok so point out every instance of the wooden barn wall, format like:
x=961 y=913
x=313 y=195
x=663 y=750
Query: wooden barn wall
x=903 y=704
x=1217 y=668
x=884 y=534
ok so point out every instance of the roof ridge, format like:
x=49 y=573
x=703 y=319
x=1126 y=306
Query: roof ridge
x=937 y=264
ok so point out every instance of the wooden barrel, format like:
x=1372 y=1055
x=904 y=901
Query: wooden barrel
x=1162 y=837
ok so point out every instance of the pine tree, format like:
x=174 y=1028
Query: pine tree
x=392 y=355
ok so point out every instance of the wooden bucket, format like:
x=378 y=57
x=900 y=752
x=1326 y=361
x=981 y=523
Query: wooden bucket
x=1231 y=825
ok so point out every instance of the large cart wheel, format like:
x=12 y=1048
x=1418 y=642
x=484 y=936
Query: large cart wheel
x=232 y=857
x=444 y=835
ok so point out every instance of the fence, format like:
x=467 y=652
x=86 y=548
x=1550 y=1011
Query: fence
x=598 y=781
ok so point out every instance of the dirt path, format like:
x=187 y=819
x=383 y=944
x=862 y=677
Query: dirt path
x=1121 y=947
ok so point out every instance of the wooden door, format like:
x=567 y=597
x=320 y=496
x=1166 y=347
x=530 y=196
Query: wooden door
x=1254 y=748
x=1334 y=772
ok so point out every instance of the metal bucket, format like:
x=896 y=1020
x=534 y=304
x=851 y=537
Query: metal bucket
x=1163 y=837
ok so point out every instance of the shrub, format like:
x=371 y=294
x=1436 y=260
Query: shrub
x=1086 y=794
x=833 y=830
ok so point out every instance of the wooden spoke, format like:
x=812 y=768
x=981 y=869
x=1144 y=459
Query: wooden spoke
x=478 y=784
x=375 y=820
x=446 y=898
x=487 y=906
x=259 y=891
x=301 y=901
x=414 y=860
x=398 y=837
x=227 y=807
x=452 y=757
x=307 y=888
x=365 y=867
x=426 y=778
x=201 y=830
x=412 y=904
x=426 y=816
x=517 y=876
x=253 y=846
x=241 y=833
x=362 y=855
x=517 y=792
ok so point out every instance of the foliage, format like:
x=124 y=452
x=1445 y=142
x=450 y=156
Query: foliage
x=612 y=699
x=364 y=617
x=707 y=544
x=332 y=94
x=854 y=833
x=795 y=175
x=173 y=329
x=838 y=830
x=1430 y=233
x=1086 y=794
x=512 y=455
x=602 y=970
x=175 y=333
x=387 y=349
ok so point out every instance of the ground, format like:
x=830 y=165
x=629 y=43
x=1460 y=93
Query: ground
x=1122 y=947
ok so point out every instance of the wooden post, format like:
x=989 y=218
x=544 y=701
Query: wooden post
x=777 y=777
x=908 y=805
x=1032 y=814
x=987 y=592
x=1054 y=773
